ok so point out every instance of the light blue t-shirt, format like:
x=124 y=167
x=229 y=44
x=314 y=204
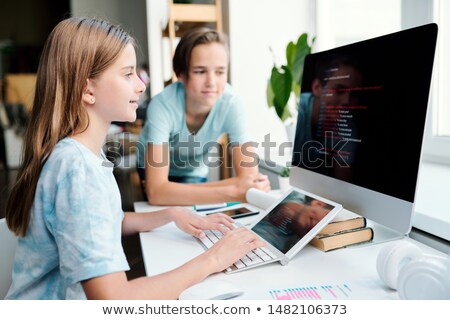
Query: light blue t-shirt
x=74 y=232
x=166 y=124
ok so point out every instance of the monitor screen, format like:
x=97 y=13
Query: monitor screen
x=361 y=119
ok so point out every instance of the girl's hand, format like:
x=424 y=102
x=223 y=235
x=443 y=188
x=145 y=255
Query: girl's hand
x=233 y=246
x=194 y=224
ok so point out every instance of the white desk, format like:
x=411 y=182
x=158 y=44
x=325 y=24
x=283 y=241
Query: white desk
x=167 y=247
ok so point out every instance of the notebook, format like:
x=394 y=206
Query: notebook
x=287 y=226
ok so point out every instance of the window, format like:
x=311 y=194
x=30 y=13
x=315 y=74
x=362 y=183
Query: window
x=437 y=136
x=442 y=114
x=346 y=21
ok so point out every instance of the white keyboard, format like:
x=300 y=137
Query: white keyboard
x=252 y=258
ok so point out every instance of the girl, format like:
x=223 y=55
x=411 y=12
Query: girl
x=70 y=244
x=184 y=122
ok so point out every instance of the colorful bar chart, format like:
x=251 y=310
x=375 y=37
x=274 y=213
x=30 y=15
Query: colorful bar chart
x=321 y=292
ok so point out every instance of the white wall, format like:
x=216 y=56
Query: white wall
x=130 y=14
x=157 y=17
x=254 y=25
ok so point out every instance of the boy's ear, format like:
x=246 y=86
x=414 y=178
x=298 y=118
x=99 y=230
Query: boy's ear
x=88 y=93
x=181 y=78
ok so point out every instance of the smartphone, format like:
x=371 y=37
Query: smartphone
x=238 y=213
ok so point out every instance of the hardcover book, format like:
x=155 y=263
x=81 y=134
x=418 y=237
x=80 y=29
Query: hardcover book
x=327 y=242
x=338 y=225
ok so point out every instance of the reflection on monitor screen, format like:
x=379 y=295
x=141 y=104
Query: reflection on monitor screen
x=361 y=122
x=291 y=220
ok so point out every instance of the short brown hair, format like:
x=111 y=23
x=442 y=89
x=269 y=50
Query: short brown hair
x=191 y=39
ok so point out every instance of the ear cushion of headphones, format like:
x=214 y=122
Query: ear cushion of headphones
x=426 y=278
x=392 y=258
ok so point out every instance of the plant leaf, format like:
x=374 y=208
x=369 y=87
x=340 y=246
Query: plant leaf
x=296 y=89
x=269 y=95
x=285 y=172
x=286 y=114
x=281 y=83
x=290 y=54
x=302 y=49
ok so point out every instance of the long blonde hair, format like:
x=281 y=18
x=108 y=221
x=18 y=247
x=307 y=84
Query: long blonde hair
x=76 y=50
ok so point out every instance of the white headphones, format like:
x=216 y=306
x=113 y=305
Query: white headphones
x=415 y=275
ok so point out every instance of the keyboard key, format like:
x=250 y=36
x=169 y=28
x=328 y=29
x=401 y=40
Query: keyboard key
x=270 y=253
x=254 y=257
x=207 y=242
x=246 y=260
x=239 y=264
x=214 y=239
x=264 y=256
x=253 y=262
x=217 y=233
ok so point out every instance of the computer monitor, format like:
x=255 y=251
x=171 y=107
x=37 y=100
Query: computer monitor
x=361 y=121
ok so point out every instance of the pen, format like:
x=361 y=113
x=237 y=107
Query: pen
x=213 y=206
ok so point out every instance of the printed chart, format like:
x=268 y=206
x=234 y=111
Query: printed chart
x=322 y=292
x=354 y=289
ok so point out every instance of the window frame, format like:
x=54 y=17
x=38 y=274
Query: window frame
x=437 y=148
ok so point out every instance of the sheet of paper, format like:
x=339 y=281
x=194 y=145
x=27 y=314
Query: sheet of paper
x=357 y=289
x=261 y=199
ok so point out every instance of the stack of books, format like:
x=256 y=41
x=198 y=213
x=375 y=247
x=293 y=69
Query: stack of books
x=344 y=231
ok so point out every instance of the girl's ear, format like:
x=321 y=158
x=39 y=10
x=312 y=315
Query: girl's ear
x=88 y=93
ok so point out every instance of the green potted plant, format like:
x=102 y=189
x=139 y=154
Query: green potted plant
x=283 y=89
x=285 y=172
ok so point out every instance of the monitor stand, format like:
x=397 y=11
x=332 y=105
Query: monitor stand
x=380 y=234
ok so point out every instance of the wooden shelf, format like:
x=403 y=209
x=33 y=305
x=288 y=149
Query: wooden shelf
x=191 y=13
